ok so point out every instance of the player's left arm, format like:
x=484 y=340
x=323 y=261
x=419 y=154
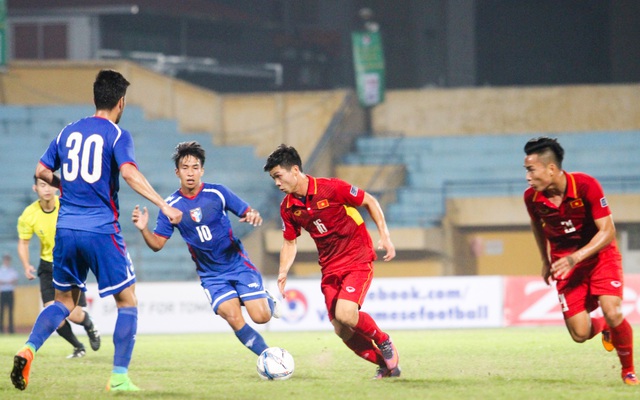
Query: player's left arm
x=140 y=219
x=239 y=207
x=375 y=211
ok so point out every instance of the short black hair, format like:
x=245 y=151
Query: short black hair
x=184 y=149
x=108 y=88
x=544 y=145
x=284 y=156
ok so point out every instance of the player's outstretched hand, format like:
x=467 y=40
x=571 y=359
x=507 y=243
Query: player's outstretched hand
x=282 y=282
x=140 y=218
x=386 y=244
x=252 y=217
x=30 y=272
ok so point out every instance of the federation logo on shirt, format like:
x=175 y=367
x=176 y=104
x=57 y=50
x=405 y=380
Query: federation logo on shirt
x=196 y=214
x=354 y=191
x=323 y=204
x=577 y=203
x=603 y=202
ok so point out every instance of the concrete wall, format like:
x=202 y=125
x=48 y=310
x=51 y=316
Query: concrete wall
x=434 y=112
x=260 y=120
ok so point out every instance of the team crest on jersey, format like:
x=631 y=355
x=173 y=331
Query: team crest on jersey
x=577 y=203
x=603 y=202
x=323 y=204
x=354 y=191
x=196 y=214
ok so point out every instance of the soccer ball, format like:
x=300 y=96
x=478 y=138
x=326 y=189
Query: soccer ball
x=275 y=364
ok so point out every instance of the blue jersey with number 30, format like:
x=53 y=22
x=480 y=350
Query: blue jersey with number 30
x=89 y=154
x=206 y=229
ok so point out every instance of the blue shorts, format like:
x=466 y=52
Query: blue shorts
x=245 y=285
x=77 y=252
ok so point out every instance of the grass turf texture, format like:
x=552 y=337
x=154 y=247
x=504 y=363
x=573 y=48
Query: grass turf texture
x=510 y=363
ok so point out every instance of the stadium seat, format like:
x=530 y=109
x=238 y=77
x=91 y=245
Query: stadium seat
x=26 y=131
x=438 y=168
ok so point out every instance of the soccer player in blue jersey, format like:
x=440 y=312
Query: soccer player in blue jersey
x=227 y=275
x=91 y=153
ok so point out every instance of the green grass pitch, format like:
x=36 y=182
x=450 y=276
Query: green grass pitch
x=509 y=363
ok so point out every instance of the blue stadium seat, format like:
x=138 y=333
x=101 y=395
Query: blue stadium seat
x=488 y=165
x=26 y=131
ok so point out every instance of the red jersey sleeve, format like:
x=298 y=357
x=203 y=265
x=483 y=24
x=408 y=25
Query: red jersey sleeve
x=290 y=230
x=595 y=196
x=347 y=193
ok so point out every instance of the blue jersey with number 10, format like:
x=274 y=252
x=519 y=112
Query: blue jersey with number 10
x=206 y=229
x=89 y=154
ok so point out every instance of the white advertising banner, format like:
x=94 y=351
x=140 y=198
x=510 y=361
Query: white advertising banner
x=395 y=303
x=440 y=302
x=163 y=307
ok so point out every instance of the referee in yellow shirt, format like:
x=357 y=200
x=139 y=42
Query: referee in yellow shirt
x=40 y=218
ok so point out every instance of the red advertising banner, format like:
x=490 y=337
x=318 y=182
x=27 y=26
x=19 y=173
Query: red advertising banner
x=529 y=301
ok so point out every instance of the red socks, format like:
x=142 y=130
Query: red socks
x=365 y=348
x=367 y=327
x=365 y=333
x=622 y=339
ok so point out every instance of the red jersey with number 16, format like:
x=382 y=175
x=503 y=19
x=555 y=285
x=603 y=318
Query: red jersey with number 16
x=572 y=225
x=328 y=212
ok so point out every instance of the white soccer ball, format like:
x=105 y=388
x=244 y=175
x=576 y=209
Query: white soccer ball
x=275 y=364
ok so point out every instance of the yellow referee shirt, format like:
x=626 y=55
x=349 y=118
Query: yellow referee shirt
x=43 y=224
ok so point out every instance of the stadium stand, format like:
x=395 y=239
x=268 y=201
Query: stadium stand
x=438 y=168
x=26 y=131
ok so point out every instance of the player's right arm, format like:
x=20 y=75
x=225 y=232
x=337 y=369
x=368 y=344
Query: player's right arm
x=541 y=242
x=287 y=255
x=140 y=219
x=141 y=185
x=47 y=175
x=23 y=254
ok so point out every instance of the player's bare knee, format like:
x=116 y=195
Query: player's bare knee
x=579 y=339
x=580 y=336
x=262 y=317
x=613 y=316
x=346 y=319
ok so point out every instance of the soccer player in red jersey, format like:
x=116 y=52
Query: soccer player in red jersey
x=575 y=234
x=326 y=208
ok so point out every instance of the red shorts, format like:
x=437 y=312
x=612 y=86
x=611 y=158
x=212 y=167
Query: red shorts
x=348 y=284
x=581 y=291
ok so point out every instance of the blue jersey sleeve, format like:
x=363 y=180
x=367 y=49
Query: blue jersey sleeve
x=233 y=203
x=123 y=149
x=50 y=157
x=163 y=227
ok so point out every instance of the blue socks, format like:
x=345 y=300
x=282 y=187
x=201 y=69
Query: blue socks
x=47 y=322
x=124 y=338
x=251 y=339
